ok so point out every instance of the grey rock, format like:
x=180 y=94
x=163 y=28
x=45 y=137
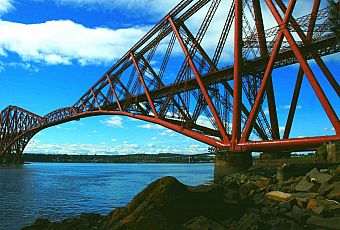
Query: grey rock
x=334 y=194
x=202 y=223
x=319 y=177
x=299 y=215
x=325 y=188
x=318 y=209
x=305 y=186
x=324 y=223
x=324 y=170
x=335 y=178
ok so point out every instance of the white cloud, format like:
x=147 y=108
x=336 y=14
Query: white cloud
x=281 y=129
x=288 y=106
x=140 y=6
x=37 y=146
x=151 y=145
x=113 y=139
x=150 y=126
x=154 y=138
x=204 y=121
x=24 y=65
x=266 y=111
x=66 y=42
x=105 y=148
x=328 y=129
x=168 y=133
x=114 y=121
x=5 y=6
x=2 y=66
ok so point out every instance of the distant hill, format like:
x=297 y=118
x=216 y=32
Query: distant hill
x=131 y=158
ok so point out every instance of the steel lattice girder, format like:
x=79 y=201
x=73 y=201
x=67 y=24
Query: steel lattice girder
x=144 y=95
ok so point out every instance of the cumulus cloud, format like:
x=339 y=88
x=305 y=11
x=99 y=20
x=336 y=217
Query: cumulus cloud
x=204 y=121
x=266 y=111
x=116 y=148
x=114 y=121
x=66 y=42
x=5 y=6
x=288 y=106
x=168 y=133
x=328 y=129
x=142 y=6
x=150 y=126
x=25 y=66
x=282 y=129
x=151 y=145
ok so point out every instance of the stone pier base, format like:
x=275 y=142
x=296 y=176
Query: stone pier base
x=230 y=162
x=333 y=152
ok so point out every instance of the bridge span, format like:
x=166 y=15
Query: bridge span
x=230 y=94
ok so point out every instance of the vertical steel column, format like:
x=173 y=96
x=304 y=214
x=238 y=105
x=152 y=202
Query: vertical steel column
x=237 y=96
x=264 y=53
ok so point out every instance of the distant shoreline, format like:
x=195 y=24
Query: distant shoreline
x=132 y=158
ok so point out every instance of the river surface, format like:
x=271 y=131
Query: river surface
x=59 y=190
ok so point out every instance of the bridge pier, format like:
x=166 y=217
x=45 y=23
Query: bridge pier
x=227 y=162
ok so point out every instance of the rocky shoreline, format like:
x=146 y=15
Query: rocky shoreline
x=289 y=197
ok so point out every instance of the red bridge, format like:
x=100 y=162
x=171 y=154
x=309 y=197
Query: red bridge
x=142 y=84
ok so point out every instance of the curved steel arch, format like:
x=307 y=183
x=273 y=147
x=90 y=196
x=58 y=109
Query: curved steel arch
x=25 y=136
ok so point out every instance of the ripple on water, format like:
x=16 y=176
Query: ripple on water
x=57 y=191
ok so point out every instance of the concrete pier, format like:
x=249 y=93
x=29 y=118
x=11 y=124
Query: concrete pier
x=227 y=162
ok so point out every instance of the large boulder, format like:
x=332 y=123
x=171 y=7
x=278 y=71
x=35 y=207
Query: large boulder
x=167 y=204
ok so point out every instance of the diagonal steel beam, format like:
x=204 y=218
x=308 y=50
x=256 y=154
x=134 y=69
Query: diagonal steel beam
x=264 y=53
x=220 y=126
x=267 y=74
x=299 y=78
x=309 y=73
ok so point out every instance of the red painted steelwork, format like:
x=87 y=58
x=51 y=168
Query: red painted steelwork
x=237 y=97
x=201 y=90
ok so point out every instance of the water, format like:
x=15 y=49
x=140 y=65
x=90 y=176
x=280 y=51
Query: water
x=59 y=190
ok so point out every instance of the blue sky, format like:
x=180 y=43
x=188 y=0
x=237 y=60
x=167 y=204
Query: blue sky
x=51 y=52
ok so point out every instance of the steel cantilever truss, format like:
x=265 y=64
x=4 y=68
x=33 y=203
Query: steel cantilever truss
x=177 y=77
